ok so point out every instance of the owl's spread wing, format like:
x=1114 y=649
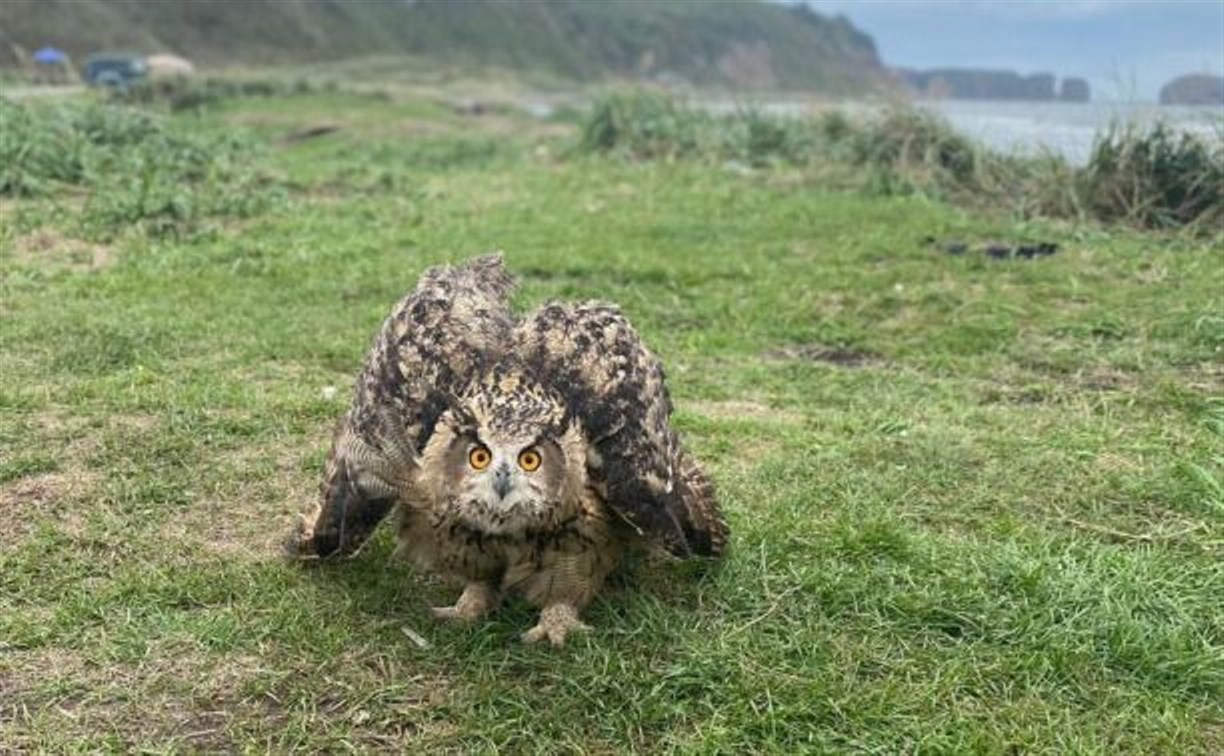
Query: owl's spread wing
x=430 y=345
x=615 y=388
x=432 y=342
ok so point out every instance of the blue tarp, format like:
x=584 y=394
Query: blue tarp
x=50 y=55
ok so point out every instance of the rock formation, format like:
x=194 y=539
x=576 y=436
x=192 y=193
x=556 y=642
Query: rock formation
x=1193 y=89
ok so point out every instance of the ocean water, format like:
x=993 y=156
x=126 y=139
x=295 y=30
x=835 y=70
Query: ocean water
x=1065 y=128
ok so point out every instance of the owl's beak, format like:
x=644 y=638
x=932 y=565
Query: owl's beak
x=501 y=480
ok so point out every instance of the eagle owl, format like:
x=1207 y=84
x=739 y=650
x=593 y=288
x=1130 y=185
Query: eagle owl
x=523 y=455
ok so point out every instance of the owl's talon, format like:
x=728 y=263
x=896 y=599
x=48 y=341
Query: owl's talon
x=446 y=613
x=556 y=623
x=476 y=601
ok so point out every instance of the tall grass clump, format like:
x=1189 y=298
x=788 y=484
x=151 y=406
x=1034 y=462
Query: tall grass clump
x=1158 y=178
x=910 y=150
x=133 y=166
x=37 y=151
x=644 y=125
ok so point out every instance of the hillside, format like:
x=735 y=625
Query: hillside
x=746 y=45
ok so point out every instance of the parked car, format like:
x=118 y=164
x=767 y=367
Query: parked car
x=115 y=70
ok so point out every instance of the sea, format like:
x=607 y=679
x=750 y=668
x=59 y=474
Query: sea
x=1066 y=128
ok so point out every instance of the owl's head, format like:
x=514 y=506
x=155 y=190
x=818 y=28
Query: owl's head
x=506 y=458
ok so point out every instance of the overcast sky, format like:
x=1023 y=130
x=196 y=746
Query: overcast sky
x=1126 y=48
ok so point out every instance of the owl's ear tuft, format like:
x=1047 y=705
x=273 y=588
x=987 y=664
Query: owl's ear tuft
x=489 y=271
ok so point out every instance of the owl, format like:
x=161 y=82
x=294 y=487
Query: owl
x=522 y=455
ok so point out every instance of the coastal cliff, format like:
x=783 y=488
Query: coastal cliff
x=1193 y=89
x=983 y=84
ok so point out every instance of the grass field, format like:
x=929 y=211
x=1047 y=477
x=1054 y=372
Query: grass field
x=977 y=505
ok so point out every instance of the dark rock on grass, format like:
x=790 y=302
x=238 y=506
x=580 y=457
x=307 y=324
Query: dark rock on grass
x=995 y=250
x=1023 y=251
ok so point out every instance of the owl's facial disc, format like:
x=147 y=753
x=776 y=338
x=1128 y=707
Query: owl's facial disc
x=509 y=484
x=503 y=474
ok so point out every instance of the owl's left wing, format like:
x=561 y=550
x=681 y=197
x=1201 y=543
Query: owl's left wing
x=615 y=388
x=433 y=342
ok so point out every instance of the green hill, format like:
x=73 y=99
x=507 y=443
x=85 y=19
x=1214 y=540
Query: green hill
x=744 y=45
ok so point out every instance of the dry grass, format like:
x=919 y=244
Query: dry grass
x=50 y=249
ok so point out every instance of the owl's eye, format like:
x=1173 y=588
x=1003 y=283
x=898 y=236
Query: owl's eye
x=529 y=460
x=479 y=458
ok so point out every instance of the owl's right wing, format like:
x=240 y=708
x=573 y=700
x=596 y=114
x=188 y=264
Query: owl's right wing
x=615 y=389
x=429 y=346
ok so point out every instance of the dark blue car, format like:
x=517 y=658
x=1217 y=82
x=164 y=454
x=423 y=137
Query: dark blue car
x=115 y=70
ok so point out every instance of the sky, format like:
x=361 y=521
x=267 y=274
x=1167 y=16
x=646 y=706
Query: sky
x=1126 y=49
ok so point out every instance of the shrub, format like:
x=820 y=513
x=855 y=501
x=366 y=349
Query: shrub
x=917 y=149
x=37 y=152
x=191 y=93
x=136 y=167
x=644 y=126
x=1156 y=177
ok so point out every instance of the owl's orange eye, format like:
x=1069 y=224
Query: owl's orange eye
x=529 y=460
x=479 y=458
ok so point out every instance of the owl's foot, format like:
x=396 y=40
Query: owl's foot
x=557 y=621
x=476 y=601
x=299 y=544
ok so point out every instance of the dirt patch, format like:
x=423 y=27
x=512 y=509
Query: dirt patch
x=225 y=530
x=734 y=409
x=249 y=515
x=139 y=423
x=27 y=502
x=22 y=671
x=1208 y=378
x=310 y=132
x=67 y=495
x=1112 y=462
x=174 y=695
x=839 y=356
x=747 y=455
x=46 y=246
x=1104 y=380
x=1048 y=386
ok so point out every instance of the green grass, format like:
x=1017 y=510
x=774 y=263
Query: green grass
x=998 y=529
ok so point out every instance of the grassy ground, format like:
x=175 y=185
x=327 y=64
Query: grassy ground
x=977 y=504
